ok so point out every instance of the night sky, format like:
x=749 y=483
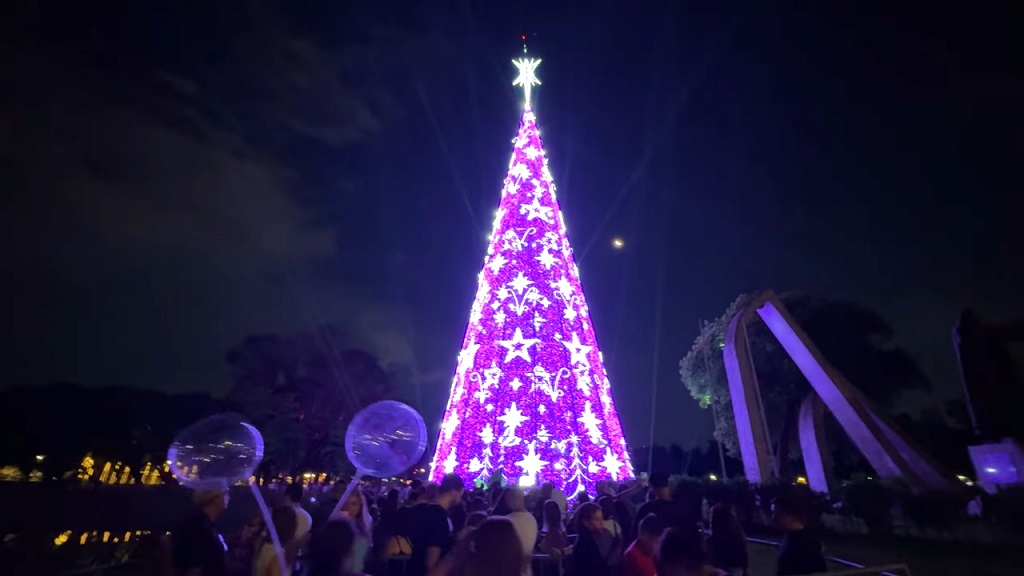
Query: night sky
x=179 y=178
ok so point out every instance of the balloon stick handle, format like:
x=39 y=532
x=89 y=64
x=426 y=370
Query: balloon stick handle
x=282 y=563
x=348 y=492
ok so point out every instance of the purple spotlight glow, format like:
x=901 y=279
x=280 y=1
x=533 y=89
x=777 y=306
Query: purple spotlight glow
x=530 y=398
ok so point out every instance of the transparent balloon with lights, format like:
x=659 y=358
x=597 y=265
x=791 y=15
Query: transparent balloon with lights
x=384 y=439
x=217 y=452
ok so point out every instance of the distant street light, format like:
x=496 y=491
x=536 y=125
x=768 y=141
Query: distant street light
x=618 y=243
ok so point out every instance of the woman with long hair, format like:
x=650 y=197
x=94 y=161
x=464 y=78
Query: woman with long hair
x=330 y=549
x=493 y=549
x=554 y=540
x=242 y=547
x=727 y=543
x=356 y=510
x=266 y=562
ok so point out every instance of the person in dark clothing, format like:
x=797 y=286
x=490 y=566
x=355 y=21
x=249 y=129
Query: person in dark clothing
x=197 y=548
x=800 y=550
x=595 y=547
x=330 y=549
x=662 y=505
x=430 y=528
x=683 y=553
x=690 y=506
x=728 y=542
x=543 y=496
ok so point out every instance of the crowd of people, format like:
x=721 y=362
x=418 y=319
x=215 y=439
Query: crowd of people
x=427 y=529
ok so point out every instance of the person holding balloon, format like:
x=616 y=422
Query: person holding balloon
x=285 y=523
x=197 y=548
x=355 y=508
x=383 y=439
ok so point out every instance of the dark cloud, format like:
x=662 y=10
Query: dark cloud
x=159 y=214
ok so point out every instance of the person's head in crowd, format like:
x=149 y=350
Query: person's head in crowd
x=477 y=504
x=607 y=504
x=660 y=486
x=500 y=506
x=589 y=518
x=338 y=489
x=285 y=523
x=651 y=528
x=495 y=549
x=450 y=491
x=789 y=513
x=552 y=516
x=331 y=547
x=680 y=552
x=212 y=500
x=416 y=494
x=356 y=509
x=515 y=500
x=546 y=489
x=582 y=497
x=605 y=487
x=725 y=524
x=431 y=492
x=475 y=519
x=390 y=501
x=294 y=493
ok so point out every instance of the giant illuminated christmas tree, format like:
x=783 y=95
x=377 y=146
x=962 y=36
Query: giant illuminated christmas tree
x=530 y=398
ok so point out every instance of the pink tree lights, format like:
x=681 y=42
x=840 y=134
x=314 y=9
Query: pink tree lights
x=530 y=398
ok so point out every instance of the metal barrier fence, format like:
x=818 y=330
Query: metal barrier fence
x=889 y=570
x=851 y=568
x=543 y=565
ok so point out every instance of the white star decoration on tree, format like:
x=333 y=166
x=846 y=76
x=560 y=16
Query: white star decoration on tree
x=450 y=425
x=467 y=356
x=513 y=418
x=520 y=283
x=531 y=464
x=520 y=171
x=536 y=210
x=518 y=346
x=611 y=463
x=527 y=75
x=451 y=462
x=546 y=259
x=579 y=351
x=496 y=263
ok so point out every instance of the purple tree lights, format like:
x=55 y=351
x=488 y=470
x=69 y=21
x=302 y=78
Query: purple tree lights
x=530 y=398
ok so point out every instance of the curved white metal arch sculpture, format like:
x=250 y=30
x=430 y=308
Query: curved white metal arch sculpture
x=889 y=452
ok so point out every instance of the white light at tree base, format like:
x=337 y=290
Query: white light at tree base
x=530 y=398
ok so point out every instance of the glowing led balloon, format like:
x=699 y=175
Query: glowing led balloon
x=219 y=449
x=385 y=438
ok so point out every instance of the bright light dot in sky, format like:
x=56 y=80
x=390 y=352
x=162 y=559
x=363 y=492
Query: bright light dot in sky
x=617 y=243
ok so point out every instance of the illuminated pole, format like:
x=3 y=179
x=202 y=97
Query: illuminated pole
x=714 y=411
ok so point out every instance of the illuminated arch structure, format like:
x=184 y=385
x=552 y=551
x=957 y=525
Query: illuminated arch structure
x=889 y=452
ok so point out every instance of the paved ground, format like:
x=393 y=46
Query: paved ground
x=923 y=559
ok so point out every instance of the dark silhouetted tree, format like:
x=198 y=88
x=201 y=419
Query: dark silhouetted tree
x=301 y=391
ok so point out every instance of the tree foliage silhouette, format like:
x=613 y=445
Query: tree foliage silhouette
x=301 y=391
